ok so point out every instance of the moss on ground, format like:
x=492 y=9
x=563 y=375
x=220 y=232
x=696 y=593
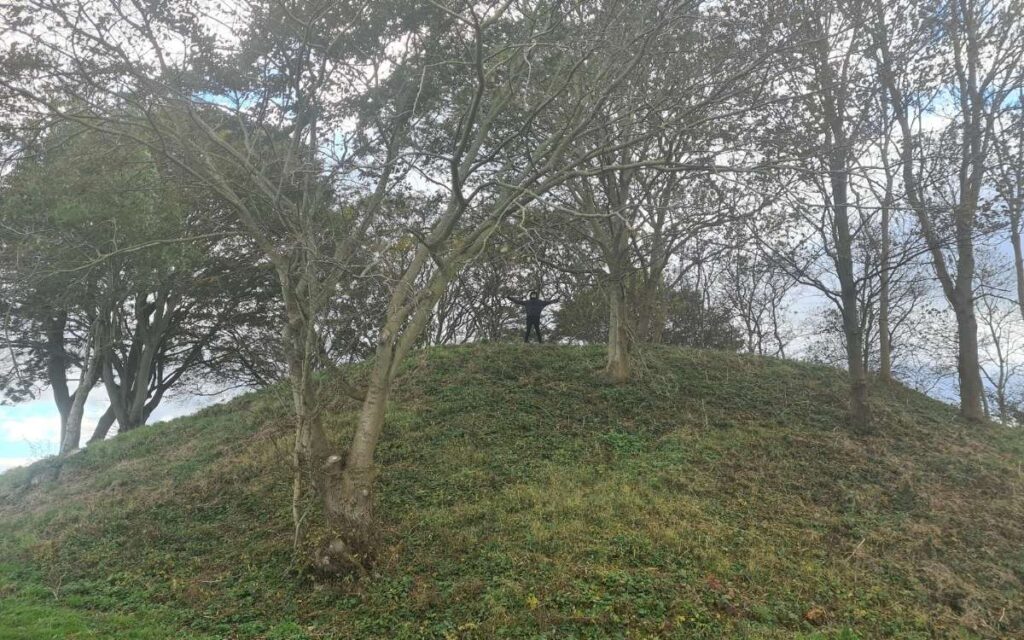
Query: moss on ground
x=523 y=497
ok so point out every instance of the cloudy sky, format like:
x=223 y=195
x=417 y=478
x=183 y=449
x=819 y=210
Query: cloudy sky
x=31 y=430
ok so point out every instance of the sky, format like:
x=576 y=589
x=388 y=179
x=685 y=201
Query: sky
x=27 y=431
x=31 y=430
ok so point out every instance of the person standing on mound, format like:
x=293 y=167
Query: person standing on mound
x=534 y=306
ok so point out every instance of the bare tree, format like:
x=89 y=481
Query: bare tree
x=756 y=289
x=977 y=46
x=1008 y=178
x=883 y=190
x=828 y=135
x=1002 y=341
x=685 y=112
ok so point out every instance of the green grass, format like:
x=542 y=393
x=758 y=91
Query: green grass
x=523 y=497
x=30 y=621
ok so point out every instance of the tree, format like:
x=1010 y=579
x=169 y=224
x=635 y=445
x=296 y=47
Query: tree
x=689 y=320
x=1003 y=354
x=962 y=60
x=113 y=272
x=520 y=82
x=1008 y=179
x=756 y=290
x=684 y=112
x=884 y=193
x=485 y=97
x=256 y=115
x=68 y=209
x=826 y=137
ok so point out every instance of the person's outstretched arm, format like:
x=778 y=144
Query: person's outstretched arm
x=515 y=300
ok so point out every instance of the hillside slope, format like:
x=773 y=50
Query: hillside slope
x=715 y=497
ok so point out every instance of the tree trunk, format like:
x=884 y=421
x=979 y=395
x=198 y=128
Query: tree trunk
x=959 y=293
x=140 y=391
x=1016 y=229
x=972 y=391
x=408 y=315
x=884 y=344
x=1002 y=404
x=355 y=507
x=315 y=466
x=103 y=426
x=644 y=313
x=618 y=365
x=152 y=323
x=57 y=369
x=73 y=430
x=860 y=413
x=650 y=321
x=115 y=392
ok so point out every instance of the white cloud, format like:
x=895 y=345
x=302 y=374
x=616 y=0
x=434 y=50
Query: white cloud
x=37 y=421
x=30 y=428
x=10 y=463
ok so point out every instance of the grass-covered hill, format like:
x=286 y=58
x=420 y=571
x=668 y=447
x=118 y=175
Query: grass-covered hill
x=716 y=497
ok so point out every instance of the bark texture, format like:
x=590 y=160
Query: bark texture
x=618 y=364
x=73 y=425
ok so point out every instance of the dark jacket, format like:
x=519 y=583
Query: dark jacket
x=534 y=306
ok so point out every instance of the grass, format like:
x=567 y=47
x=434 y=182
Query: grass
x=522 y=497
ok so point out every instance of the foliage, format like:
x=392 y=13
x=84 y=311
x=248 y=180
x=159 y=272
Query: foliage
x=77 y=199
x=689 y=320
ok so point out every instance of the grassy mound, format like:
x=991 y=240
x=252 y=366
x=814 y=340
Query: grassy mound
x=716 y=496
